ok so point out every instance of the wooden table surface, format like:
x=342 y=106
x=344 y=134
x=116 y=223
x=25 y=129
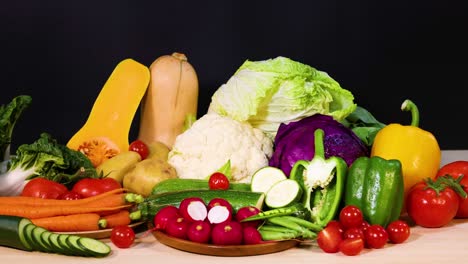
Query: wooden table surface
x=448 y=244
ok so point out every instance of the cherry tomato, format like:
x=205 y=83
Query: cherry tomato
x=456 y=169
x=218 y=181
x=329 y=239
x=351 y=216
x=139 y=147
x=43 y=188
x=352 y=246
x=336 y=224
x=398 y=231
x=93 y=186
x=70 y=195
x=122 y=236
x=375 y=236
x=353 y=232
x=428 y=208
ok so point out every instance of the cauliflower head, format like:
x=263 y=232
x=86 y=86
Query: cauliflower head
x=212 y=140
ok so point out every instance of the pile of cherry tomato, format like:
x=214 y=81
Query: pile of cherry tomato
x=351 y=233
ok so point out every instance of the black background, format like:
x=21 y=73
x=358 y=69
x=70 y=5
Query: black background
x=62 y=52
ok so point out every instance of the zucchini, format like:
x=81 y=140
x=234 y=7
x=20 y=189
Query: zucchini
x=283 y=193
x=21 y=233
x=238 y=199
x=265 y=178
x=178 y=184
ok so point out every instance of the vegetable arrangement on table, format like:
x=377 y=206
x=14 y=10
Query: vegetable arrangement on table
x=282 y=153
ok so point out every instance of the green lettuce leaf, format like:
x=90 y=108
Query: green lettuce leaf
x=270 y=92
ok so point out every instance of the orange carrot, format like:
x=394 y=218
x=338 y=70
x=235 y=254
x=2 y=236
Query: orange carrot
x=35 y=201
x=69 y=223
x=122 y=217
x=33 y=212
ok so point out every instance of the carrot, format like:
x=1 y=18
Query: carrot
x=69 y=223
x=35 y=201
x=122 y=217
x=33 y=212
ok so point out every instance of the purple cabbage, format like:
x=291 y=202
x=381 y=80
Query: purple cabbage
x=295 y=141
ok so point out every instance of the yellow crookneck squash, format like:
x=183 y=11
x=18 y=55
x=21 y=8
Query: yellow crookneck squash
x=106 y=131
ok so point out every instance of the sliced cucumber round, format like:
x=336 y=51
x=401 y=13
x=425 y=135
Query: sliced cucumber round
x=283 y=193
x=266 y=177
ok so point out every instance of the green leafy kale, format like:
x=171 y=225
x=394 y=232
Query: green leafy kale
x=363 y=124
x=9 y=114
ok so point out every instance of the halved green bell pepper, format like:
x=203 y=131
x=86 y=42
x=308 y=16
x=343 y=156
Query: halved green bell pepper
x=375 y=185
x=322 y=180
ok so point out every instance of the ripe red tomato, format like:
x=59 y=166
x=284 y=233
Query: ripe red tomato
x=352 y=246
x=398 y=231
x=93 y=186
x=70 y=195
x=329 y=239
x=43 y=188
x=456 y=169
x=122 y=236
x=351 y=216
x=375 y=236
x=429 y=208
x=139 y=147
x=218 y=181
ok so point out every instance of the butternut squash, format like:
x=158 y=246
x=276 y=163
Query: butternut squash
x=171 y=98
x=106 y=131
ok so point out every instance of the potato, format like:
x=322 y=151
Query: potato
x=117 y=166
x=158 y=149
x=147 y=173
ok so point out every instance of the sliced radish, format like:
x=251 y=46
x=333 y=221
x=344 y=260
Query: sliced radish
x=219 y=214
x=193 y=209
x=219 y=201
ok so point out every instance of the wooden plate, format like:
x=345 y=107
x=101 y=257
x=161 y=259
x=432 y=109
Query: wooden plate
x=225 y=251
x=99 y=234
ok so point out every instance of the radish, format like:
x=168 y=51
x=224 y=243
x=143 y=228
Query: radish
x=219 y=214
x=219 y=201
x=251 y=236
x=245 y=212
x=227 y=233
x=193 y=209
x=199 y=231
x=177 y=227
x=164 y=215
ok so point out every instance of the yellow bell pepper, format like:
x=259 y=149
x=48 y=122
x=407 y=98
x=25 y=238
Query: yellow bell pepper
x=417 y=149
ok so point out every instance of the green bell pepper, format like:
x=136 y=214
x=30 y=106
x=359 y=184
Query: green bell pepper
x=375 y=185
x=322 y=181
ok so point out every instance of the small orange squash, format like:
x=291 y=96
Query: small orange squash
x=106 y=131
x=171 y=99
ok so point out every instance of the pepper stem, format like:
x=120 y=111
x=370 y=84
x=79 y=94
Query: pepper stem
x=318 y=141
x=408 y=105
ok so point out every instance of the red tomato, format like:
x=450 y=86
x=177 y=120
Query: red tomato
x=398 y=231
x=43 y=188
x=375 y=236
x=351 y=216
x=122 y=236
x=354 y=232
x=218 y=181
x=70 y=195
x=428 y=208
x=352 y=246
x=456 y=169
x=329 y=239
x=93 y=186
x=139 y=147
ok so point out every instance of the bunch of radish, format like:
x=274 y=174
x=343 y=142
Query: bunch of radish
x=214 y=222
